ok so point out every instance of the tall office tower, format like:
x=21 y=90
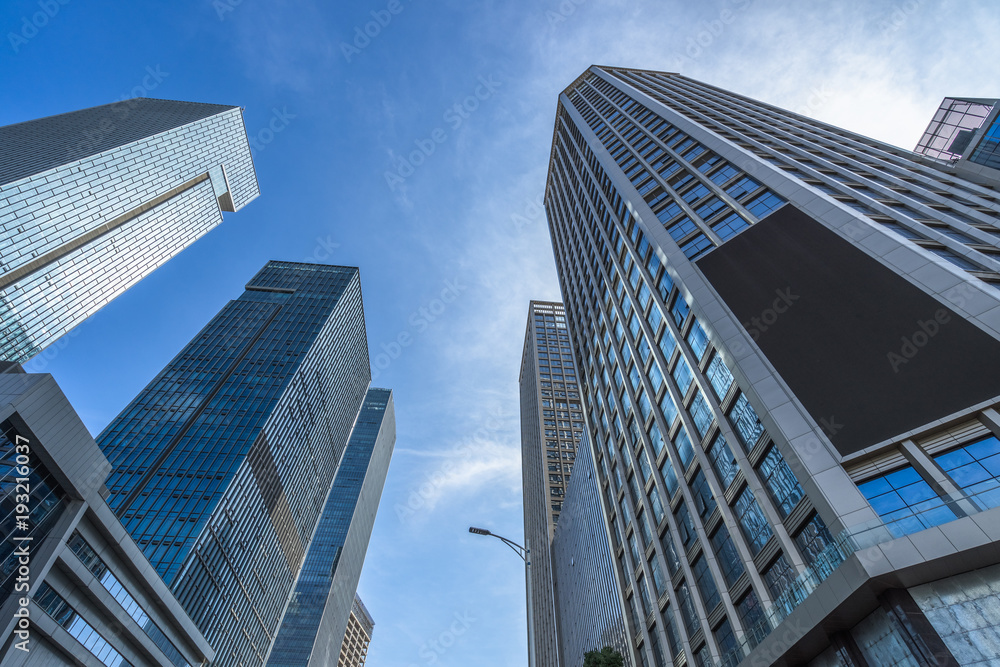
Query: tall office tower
x=589 y=612
x=222 y=466
x=358 y=636
x=788 y=339
x=551 y=428
x=314 y=627
x=93 y=201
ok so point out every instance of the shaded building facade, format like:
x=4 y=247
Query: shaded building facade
x=223 y=464
x=551 y=428
x=94 y=200
x=74 y=587
x=788 y=337
x=589 y=612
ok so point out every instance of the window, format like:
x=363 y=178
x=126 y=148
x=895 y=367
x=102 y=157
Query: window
x=685 y=526
x=658 y=581
x=656 y=438
x=975 y=467
x=726 y=640
x=779 y=577
x=670 y=553
x=704 y=501
x=682 y=375
x=656 y=504
x=726 y=554
x=669 y=409
x=706 y=585
x=815 y=542
x=669 y=476
x=905 y=501
x=752 y=617
x=668 y=344
x=701 y=413
x=688 y=613
x=780 y=481
x=55 y=606
x=719 y=376
x=698 y=340
x=680 y=310
x=684 y=448
x=723 y=461
x=673 y=637
x=754 y=525
x=746 y=422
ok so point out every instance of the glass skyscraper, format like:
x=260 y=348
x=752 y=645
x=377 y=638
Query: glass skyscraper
x=222 y=466
x=788 y=339
x=314 y=627
x=589 y=613
x=93 y=201
x=551 y=428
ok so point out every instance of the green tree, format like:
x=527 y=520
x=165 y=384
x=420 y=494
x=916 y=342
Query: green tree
x=606 y=657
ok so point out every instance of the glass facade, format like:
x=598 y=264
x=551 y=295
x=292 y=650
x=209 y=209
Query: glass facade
x=84 y=215
x=655 y=379
x=55 y=606
x=588 y=607
x=293 y=646
x=551 y=428
x=222 y=464
x=31 y=501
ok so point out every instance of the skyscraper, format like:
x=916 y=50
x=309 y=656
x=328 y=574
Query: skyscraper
x=589 y=612
x=93 y=201
x=551 y=427
x=313 y=630
x=358 y=636
x=223 y=464
x=789 y=339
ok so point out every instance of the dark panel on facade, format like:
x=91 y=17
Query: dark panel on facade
x=38 y=145
x=857 y=343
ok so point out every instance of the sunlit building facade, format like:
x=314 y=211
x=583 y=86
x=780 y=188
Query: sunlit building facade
x=94 y=200
x=222 y=466
x=551 y=428
x=788 y=339
x=358 y=636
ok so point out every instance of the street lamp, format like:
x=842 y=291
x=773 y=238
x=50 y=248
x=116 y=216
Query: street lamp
x=525 y=554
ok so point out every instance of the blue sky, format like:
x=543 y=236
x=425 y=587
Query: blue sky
x=466 y=221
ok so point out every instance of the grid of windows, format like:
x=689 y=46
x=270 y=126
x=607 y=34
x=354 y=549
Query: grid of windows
x=905 y=501
x=653 y=382
x=223 y=462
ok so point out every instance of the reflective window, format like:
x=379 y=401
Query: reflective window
x=703 y=578
x=746 y=422
x=719 y=376
x=753 y=523
x=780 y=481
x=727 y=556
x=55 y=606
x=905 y=501
x=723 y=461
x=975 y=467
